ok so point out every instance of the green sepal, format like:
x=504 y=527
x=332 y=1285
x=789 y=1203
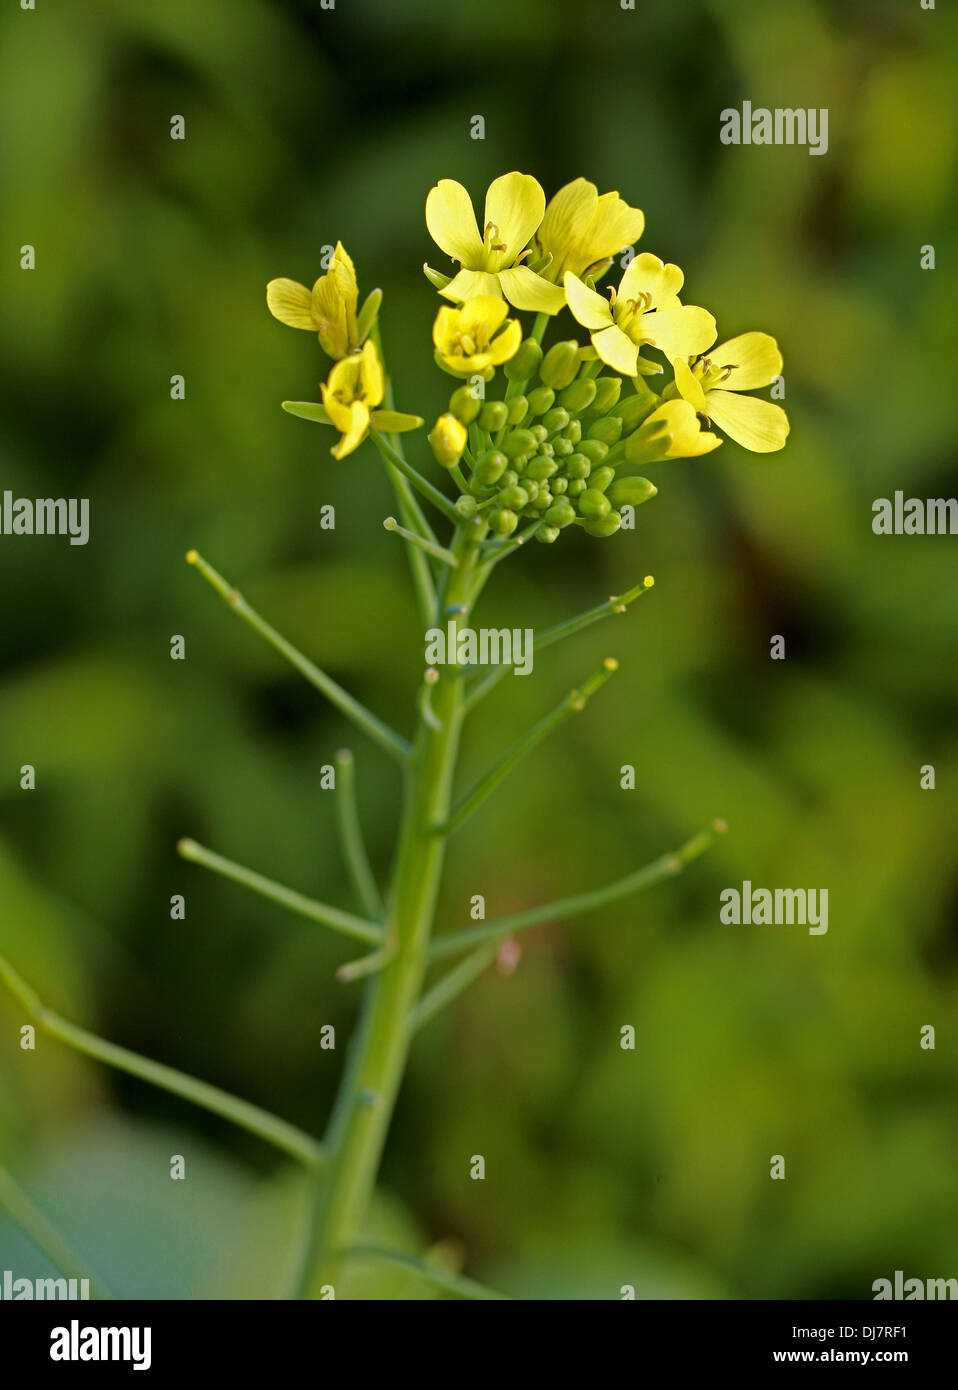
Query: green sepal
x=395 y=421
x=436 y=277
x=368 y=314
x=309 y=410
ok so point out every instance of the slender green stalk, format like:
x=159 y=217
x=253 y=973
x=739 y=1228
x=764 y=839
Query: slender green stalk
x=351 y=838
x=574 y=703
x=240 y=1112
x=324 y=913
x=422 y=485
x=387 y=738
x=27 y=1215
x=438 y=552
x=378 y=1052
x=365 y=965
x=498 y=550
x=482 y=684
x=454 y=982
x=665 y=867
x=456 y=1284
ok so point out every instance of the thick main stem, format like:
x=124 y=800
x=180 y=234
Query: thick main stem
x=378 y=1053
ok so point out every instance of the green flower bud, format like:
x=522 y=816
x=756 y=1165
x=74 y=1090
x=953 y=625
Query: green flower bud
x=631 y=492
x=467 y=507
x=560 y=514
x=540 y=400
x=558 y=485
x=490 y=467
x=600 y=478
x=562 y=447
x=579 y=396
x=509 y=478
x=560 y=364
x=518 y=410
x=519 y=442
x=547 y=534
x=539 y=433
x=546 y=448
x=448 y=438
x=633 y=410
x=515 y=498
x=604 y=526
x=493 y=416
x=578 y=466
x=608 y=389
x=541 y=467
x=555 y=419
x=525 y=363
x=594 y=504
x=531 y=488
x=543 y=499
x=608 y=430
x=577 y=487
x=465 y=404
x=594 y=449
x=573 y=431
x=503 y=522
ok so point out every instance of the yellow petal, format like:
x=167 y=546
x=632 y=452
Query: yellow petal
x=339 y=414
x=515 y=204
x=445 y=328
x=755 y=358
x=568 y=216
x=689 y=385
x=590 y=309
x=452 y=222
x=373 y=380
x=469 y=283
x=506 y=345
x=679 y=330
x=330 y=316
x=291 y=303
x=616 y=350
x=689 y=440
x=526 y=290
x=355 y=433
x=614 y=226
x=758 y=425
x=648 y=275
x=486 y=311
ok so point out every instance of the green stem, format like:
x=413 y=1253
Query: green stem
x=454 y=982
x=378 y=1052
x=240 y=1112
x=438 y=552
x=31 y=1220
x=456 y=1284
x=422 y=485
x=351 y=838
x=387 y=738
x=665 y=867
x=324 y=913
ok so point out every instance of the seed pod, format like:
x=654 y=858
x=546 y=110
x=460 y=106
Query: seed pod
x=467 y=507
x=547 y=534
x=515 y=498
x=608 y=430
x=594 y=504
x=579 y=396
x=525 y=363
x=503 y=522
x=608 y=389
x=541 y=467
x=562 y=447
x=490 y=467
x=631 y=492
x=560 y=364
x=493 y=416
x=605 y=526
x=540 y=400
x=465 y=404
x=518 y=442
x=578 y=466
x=594 y=449
x=600 y=478
x=518 y=410
x=555 y=419
x=560 y=514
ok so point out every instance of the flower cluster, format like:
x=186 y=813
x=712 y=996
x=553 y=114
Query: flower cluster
x=559 y=445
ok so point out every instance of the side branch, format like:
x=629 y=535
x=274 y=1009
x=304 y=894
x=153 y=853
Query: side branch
x=451 y=943
x=23 y=1211
x=362 y=717
x=324 y=913
x=456 y=1284
x=275 y=1131
x=422 y=485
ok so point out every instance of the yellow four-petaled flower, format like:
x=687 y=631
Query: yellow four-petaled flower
x=713 y=383
x=354 y=387
x=328 y=309
x=477 y=338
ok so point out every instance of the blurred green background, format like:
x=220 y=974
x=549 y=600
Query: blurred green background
x=605 y=1167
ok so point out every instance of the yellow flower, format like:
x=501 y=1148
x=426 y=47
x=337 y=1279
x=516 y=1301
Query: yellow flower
x=581 y=229
x=672 y=431
x=468 y=340
x=328 y=309
x=354 y=387
x=490 y=262
x=645 y=309
x=752 y=360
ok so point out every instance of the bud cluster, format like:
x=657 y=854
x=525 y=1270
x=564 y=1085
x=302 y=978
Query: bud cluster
x=548 y=452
